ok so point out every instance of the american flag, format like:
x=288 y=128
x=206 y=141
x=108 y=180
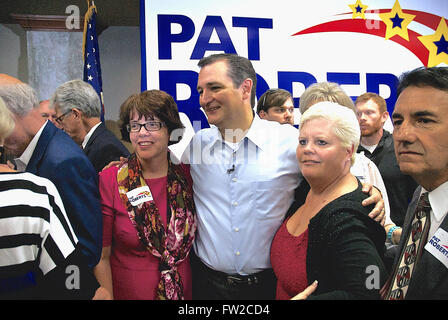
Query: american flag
x=92 y=66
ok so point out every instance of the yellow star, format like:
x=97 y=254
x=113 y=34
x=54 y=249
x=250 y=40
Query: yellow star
x=397 y=22
x=437 y=45
x=358 y=9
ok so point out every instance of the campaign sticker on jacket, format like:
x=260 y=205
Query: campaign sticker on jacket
x=438 y=246
x=139 y=195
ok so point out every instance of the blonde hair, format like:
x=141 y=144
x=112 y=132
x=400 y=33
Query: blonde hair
x=6 y=121
x=324 y=91
x=345 y=124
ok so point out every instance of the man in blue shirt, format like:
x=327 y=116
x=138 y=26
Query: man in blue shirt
x=244 y=172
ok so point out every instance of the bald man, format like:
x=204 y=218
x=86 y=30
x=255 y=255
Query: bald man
x=7 y=79
x=40 y=148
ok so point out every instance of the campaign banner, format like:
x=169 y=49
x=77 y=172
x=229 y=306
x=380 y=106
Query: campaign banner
x=362 y=45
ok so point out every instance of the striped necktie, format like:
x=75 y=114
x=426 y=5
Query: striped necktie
x=411 y=252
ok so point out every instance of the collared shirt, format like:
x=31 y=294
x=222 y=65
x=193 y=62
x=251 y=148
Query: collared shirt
x=242 y=193
x=89 y=134
x=366 y=171
x=400 y=187
x=438 y=198
x=24 y=159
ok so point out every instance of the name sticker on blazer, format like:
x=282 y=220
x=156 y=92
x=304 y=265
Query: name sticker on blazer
x=438 y=246
x=139 y=195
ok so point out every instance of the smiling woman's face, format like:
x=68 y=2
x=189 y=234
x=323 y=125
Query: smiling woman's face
x=148 y=145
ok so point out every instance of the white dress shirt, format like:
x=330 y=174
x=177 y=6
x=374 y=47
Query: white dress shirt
x=242 y=192
x=438 y=198
x=367 y=171
x=89 y=134
x=25 y=157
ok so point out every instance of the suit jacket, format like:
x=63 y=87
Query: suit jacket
x=58 y=158
x=103 y=147
x=430 y=277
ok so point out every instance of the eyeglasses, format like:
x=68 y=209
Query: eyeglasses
x=59 y=119
x=149 y=126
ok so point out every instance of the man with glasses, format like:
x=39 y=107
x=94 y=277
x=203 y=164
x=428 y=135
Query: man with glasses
x=40 y=148
x=78 y=109
x=276 y=105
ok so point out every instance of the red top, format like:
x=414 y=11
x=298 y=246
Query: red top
x=288 y=259
x=135 y=271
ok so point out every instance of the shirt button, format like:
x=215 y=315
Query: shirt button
x=234 y=179
x=235 y=204
x=237 y=229
x=237 y=253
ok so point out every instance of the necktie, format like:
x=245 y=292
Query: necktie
x=411 y=252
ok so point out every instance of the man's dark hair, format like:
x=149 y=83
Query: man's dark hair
x=436 y=77
x=273 y=98
x=239 y=69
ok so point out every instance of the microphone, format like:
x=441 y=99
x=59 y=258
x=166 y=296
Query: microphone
x=229 y=171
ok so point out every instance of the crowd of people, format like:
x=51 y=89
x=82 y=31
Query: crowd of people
x=261 y=205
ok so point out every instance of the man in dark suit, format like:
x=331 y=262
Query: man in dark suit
x=78 y=110
x=421 y=145
x=42 y=149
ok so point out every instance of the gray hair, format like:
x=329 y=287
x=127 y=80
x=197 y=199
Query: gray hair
x=20 y=98
x=345 y=124
x=6 y=121
x=77 y=94
x=324 y=91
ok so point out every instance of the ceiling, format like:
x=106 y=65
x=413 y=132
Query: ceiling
x=109 y=12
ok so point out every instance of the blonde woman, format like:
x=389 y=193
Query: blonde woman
x=327 y=245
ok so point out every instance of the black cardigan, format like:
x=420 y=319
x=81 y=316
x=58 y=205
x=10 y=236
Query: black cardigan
x=343 y=244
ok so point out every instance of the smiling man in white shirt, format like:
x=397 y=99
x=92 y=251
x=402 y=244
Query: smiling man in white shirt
x=244 y=172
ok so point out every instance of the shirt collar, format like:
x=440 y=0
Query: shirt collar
x=24 y=159
x=251 y=134
x=439 y=200
x=89 y=134
x=255 y=130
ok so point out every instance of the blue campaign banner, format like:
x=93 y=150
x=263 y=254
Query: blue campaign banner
x=362 y=45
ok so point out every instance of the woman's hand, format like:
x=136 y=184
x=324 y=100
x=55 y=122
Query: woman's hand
x=102 y=294
x=307 y=292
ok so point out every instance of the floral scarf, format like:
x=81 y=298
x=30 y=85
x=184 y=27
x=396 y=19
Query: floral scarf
x=173 y=245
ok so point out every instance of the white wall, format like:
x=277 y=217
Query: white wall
x=119 y=55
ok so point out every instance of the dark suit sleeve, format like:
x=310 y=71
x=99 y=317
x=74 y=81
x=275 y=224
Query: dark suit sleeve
x=77 y=183
x=108 y=153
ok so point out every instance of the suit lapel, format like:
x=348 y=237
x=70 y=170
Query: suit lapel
x=44 y=139
x=94 y=135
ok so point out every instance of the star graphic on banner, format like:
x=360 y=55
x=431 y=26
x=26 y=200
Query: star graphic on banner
x=358 y=9
x=90 y=78
x=396 y=22
x=442 y=45
x=437 y=45
x=88 y=66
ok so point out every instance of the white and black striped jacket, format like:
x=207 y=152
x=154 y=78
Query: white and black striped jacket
x=37 y=242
